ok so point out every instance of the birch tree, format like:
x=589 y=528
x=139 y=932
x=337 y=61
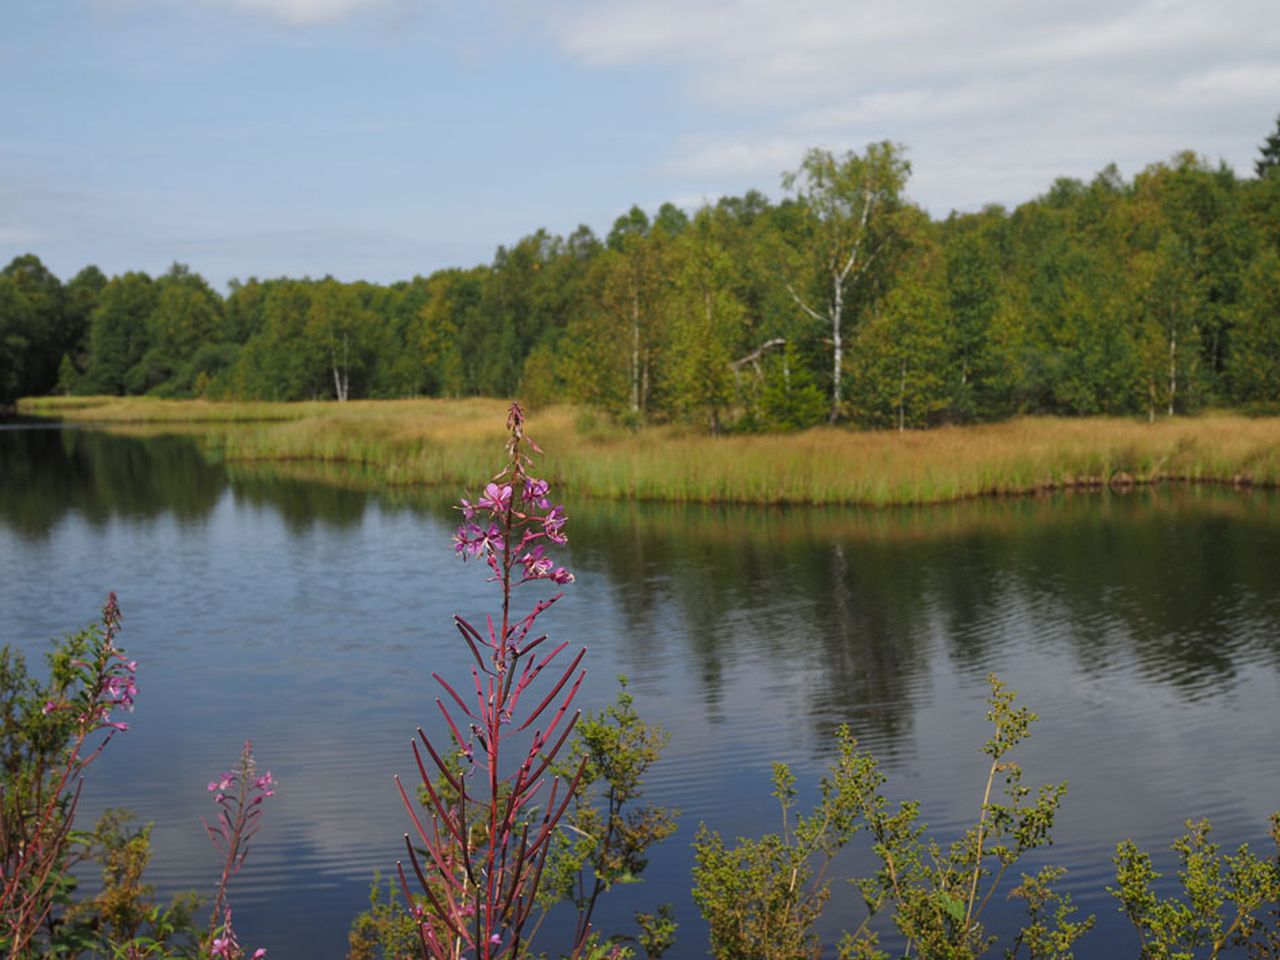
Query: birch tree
x=853 y=200
x=335 y=321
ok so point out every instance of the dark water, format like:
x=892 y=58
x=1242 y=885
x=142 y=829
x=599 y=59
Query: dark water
x=1144 y=629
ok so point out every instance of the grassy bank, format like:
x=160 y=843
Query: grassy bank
x=451 y=442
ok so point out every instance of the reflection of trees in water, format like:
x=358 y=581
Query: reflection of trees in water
x=45 y=474
x=1184 y=579
x=773 y=586
x=302 y=505
x=48 y=473
x=1181 y=582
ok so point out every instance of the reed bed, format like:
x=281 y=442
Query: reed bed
x=451 y=442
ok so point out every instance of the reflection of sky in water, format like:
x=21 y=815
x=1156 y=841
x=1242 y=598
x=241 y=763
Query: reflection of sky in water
x=1142 y=629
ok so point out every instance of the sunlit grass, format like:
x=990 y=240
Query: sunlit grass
x=451 y=442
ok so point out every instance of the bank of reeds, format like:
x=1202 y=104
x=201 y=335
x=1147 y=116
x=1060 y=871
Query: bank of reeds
x=450 y=442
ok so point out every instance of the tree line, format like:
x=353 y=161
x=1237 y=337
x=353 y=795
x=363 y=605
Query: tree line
x=1158 y=295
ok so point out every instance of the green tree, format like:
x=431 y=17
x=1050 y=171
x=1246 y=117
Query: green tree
x=854 y=200
x=901 y=356
x=338 y=325
x=187 y=316
x=452 y=297
x=1254 y=365
x=790 y=397
x=35 y=336
x=1269 y=153
x=706 y=324
x=972 y=294
x=615 y=344
x=1168 y=347
x=280 y=361
x=118 y=335
x=80 y=299
x=17 y=328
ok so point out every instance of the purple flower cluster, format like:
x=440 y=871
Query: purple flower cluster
x=509 y=526
x=264 y=786
x=239 y=794
x=110 y=679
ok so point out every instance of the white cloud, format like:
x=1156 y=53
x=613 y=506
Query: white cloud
x=302 y=12
x=992 y=95
x=705 y=157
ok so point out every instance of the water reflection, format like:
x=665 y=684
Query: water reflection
x=1181 y=581
x=47 y=473
x=1143 y=627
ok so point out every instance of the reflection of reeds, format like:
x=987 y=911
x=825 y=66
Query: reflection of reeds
x=410 y=442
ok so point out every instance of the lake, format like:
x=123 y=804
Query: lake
x=1144 y=628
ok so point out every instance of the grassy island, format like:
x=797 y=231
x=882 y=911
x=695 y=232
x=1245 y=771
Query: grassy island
x=449 y=442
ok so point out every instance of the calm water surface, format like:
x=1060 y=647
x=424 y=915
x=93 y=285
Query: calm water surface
x=1144 y=629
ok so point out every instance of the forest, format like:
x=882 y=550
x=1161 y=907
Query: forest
x=842 y=301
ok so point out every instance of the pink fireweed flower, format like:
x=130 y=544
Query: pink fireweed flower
x=496 y=498
x=553 y=525
x=535 y=491
x=49 y=707
x=472 y=540
x=536 y=564
x=122 y=690
x=266 y=784
x=223 y=783
x=561 y=576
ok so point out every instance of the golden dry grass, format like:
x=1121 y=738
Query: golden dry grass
x=456 y=442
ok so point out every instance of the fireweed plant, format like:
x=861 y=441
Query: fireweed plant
x=493 y=802
x=239 y=794
x=49 y=734
x=48 y=746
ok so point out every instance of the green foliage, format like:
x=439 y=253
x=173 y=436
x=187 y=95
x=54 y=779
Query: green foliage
x=386 y=931
x=899 y=359
x=1052 y=930
x=1254 y=365
x=763 y=897
x=124 y=919
x=1269 y=153
x=707 y=319
x=1222 y=900
x=791 y=399
x=606 y=837
x=118 y=337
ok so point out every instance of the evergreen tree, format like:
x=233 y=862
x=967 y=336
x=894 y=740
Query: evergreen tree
x=1269 y=153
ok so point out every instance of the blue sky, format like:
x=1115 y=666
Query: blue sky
x=377 y=139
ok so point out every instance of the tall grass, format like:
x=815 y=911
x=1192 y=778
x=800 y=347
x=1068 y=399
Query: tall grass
x=450 y=442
